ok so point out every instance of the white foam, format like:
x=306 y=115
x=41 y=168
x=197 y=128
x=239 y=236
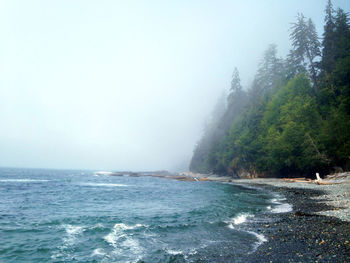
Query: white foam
x=193 y=252
x=237 y=220
x=282 y=208
x=23 y=180
x=98 y=252
x=105 y=185
x=127 y=227
x=279 y=206
x=121 y=241
x=261 y=239
x=241 y=219
x=73 y=230
x=174 y=252
x=98 y=225
x=72 y=233
x=230 y=226
x=111 y=238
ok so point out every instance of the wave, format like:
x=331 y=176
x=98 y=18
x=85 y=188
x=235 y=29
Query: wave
x=22 y=180
x=98 y=252
x=279 y=206
x=261 y=239
x=121 y=241
x=239 y=219
x=73 y=230
x=105 y=185
x=174 y=252
x=70 y=239
x=71 y=235
x=97 y=226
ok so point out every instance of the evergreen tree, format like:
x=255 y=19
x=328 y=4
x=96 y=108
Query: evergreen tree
x=328 y=43
x=236 y=81
x=313 y=51
x=236 y=99
x=306 y=46
x=285 y=128
x=342 y=35
x=269 y=73
x=335 y=90
x=211 y=135
x=236 y=87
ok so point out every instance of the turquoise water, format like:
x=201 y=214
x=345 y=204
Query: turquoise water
x=78 y=216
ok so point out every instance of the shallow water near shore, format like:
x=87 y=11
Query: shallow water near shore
x=79 y=216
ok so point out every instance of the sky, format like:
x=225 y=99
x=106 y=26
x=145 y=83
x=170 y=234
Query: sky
x=127 y=85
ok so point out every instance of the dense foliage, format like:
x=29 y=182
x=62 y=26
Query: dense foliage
x=295 y=118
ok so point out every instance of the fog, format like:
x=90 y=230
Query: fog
x=126 y=85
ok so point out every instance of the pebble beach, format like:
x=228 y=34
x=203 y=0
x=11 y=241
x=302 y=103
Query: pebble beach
x=316 y=230
x=337 y=196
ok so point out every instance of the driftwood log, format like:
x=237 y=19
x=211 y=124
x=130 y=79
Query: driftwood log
x=319 y=180
x=298 y=180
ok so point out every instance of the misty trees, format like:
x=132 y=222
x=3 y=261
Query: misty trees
x=235 y=82
x=306 y=46
x=295 y=117
x=269 y=72
x=211 y=135
x=236 y=101
x=222 y=118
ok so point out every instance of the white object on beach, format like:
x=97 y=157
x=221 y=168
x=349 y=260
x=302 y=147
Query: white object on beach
x=318 y=178
x=321 y=182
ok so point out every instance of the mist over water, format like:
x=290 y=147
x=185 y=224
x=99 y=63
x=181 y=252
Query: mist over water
x=126 y=85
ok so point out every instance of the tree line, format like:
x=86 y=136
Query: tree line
x=295 y=118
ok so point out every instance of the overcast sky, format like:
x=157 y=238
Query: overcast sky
x=126 y=85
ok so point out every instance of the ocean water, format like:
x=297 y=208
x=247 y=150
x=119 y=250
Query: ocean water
x=79 y=216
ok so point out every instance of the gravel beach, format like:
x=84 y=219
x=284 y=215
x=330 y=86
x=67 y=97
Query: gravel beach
x=337 y=196
x=317 y=230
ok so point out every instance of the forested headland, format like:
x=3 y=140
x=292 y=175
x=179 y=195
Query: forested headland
x=294 y=120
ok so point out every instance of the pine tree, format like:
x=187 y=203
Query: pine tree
x=269 y=72
x=313 y=49
x=236 y=81
x=328 y=43
x=342 y=35
x=236 y=87
x=299 y=40
x=306 y=46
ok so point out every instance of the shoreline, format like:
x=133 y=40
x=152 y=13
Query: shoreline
x=336 y=196
x=304 y=234
x=316 y=230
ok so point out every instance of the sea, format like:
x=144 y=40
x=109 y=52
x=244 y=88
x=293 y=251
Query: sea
x=85 y=216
